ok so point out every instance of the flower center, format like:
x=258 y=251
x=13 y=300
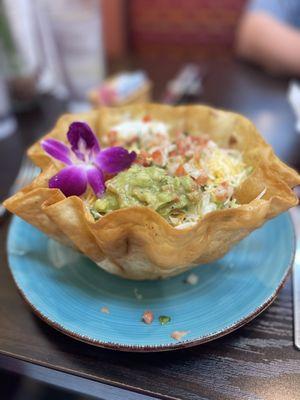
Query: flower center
x=82 y=149
x=82 y=155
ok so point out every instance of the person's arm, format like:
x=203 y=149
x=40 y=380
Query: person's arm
x=269 y=42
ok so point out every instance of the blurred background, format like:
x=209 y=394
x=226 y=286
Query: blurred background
x=72 y=55
x=68 y=47
x=61 y=56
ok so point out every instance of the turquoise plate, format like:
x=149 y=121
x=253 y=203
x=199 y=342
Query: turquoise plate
x=68 y=291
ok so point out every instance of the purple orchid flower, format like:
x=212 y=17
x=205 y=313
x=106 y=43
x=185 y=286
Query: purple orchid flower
x=85 y=162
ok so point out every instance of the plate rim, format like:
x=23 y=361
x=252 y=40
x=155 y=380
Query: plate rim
x=163 y=347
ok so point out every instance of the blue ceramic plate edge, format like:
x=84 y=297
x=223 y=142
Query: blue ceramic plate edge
x=166 y=347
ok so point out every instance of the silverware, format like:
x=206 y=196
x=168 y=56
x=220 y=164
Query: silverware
x=295 y=213
x=27 y=172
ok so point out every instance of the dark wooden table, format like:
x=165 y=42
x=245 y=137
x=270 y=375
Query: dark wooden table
x=256 y=362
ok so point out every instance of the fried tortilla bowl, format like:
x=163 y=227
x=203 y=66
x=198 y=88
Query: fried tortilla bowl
x=137 y=243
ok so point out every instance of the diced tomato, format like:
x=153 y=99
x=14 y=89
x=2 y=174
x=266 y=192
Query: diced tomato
x=180 y=171
x=143 y=158
x=197 y=156
x=132 y=140
x=178 y=135
x=223 y=192
x=180 y=147
x=112 y=135
x=112 y=138
x=201 y=140
x=147 y=118
x=173 y=153
x=177 y=335
x=202 y=179
x=157 y=157
x=148 y=317
x=184 y=146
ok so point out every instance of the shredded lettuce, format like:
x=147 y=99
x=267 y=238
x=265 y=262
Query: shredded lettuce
x=216 y=171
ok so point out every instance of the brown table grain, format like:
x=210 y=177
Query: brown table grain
x=256 y=362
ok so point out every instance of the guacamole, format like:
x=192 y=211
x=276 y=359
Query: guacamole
x=151 y=187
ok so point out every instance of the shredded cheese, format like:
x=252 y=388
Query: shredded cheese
x=216 y=171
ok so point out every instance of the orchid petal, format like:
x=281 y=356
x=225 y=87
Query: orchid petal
x=71 y=180
x=82 y=138
x=114 y=159
x=95 y=178
x=57 y=150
